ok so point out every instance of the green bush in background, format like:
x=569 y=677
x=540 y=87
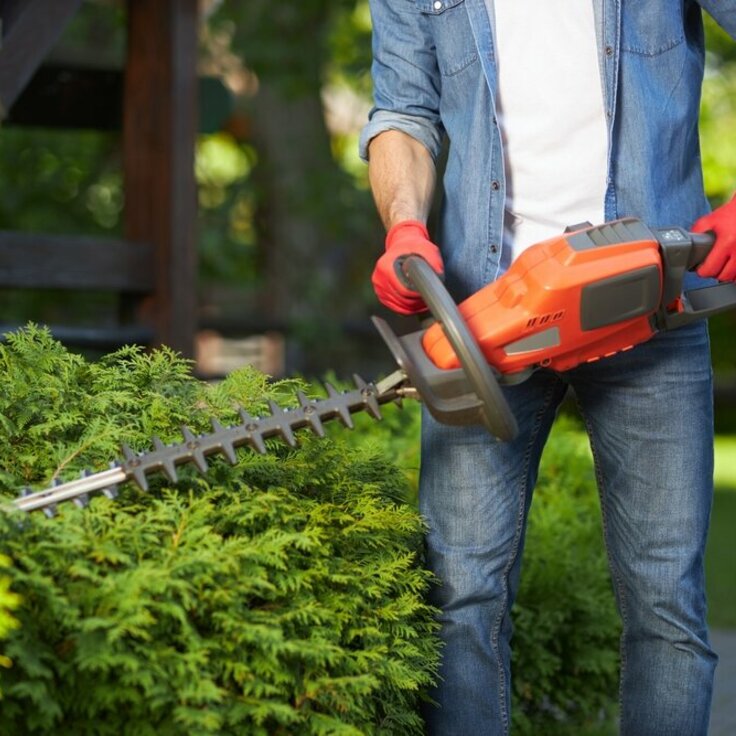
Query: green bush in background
x=277 y=596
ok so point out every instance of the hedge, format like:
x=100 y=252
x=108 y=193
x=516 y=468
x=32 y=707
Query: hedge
x=280 y=595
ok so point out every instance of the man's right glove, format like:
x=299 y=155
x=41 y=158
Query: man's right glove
x=409 y=237
x=721 y=261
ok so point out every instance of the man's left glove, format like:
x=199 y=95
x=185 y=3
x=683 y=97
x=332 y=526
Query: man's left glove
x=721 y=261
x=409 y=237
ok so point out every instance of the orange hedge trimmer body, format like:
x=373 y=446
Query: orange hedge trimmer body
x=558 y=306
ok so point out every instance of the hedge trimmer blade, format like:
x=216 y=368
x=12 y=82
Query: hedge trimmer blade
x=252 y=431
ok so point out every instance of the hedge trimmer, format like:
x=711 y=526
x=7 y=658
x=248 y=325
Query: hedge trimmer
x=579 y=297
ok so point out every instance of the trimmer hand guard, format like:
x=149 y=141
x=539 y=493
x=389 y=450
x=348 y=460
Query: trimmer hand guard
x=447 y=394
x=469 y=394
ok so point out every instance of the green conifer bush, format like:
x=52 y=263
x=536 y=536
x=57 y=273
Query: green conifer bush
x=281 y=595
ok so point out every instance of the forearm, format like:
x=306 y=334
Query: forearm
x=402 y=177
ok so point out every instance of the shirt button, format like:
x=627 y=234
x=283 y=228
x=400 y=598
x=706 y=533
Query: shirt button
x=438 y=5
x=609 y=50
x=494 y=248
x=495 y=185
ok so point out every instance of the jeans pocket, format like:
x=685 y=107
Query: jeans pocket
x=452 y=33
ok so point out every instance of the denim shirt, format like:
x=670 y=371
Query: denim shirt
x=434 y=77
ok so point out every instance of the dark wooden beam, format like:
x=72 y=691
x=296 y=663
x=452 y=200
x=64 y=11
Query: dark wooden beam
x=79 y=97
x=96 y=338
x=159 y=130
x=9 y=12
x=37 y=261
x=70 y=98
x=33 y=28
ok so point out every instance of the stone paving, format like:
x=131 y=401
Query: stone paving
x=723 y=717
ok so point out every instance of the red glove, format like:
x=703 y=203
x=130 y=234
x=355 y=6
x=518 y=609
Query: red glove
x=409 y=237
x=721 y=261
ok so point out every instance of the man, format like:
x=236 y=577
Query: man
x=557 y=112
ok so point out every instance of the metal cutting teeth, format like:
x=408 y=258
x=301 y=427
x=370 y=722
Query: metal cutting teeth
x=252 y=431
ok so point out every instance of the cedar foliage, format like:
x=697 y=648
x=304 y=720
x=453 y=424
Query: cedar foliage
x=277 y=596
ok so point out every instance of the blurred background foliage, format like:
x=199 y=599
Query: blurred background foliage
x=288 y=233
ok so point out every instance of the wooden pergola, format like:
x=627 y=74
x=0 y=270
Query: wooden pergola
x=153 y=267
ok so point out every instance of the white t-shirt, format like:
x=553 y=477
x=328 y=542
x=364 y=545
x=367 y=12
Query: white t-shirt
x=552 y=117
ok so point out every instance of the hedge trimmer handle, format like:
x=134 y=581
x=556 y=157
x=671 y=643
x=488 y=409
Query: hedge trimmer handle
x=702 y=245
x=683 y=251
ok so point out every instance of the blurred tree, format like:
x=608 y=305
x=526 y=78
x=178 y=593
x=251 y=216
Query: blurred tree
x=315 y=229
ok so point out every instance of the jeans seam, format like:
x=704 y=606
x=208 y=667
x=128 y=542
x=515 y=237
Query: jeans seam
x=618 y=584
x=495 y=631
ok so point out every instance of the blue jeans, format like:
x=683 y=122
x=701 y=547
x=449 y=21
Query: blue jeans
x=648 y=414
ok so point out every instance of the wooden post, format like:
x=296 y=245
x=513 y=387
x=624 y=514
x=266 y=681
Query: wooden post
x=159 y=132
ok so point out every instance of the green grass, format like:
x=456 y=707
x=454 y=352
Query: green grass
x=725 y=469
x=607 y=728
x=719 y=558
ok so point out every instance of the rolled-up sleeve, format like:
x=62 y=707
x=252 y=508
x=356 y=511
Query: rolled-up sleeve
x=406 y=80
x=724 y=13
